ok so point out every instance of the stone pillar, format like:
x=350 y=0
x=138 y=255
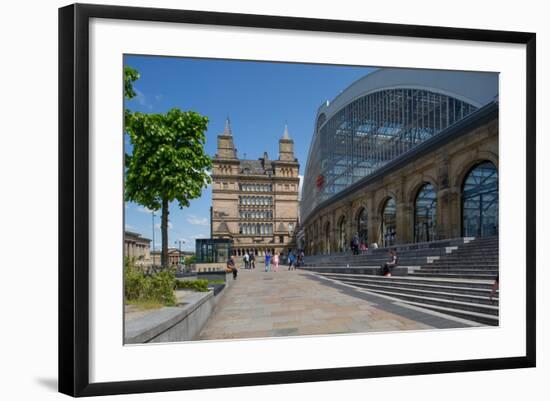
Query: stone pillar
x=352 y=224
x=443 y=223
x=404 y=223
x=448 y=222
x=332 y=232
x=374 y=226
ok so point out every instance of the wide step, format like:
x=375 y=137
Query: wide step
x=482 y=293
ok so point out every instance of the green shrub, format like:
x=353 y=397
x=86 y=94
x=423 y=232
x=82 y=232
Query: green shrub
x=156 y=288
x=197 y=285
x=160 y=287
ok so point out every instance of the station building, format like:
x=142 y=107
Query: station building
x=403 y=156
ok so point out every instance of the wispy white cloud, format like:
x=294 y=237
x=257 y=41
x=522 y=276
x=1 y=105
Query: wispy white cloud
x=197 y=221
x=142 y=99
x=158 y=225
x=143 y=209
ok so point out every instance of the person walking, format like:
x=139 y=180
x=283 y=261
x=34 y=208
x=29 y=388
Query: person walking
x=276 y=262
x=300 y=261
x=267 y=260
x=291 y=261
x=245 y=260
x=252 y=263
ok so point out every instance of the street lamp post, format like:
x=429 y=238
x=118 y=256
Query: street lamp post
x=153 y=220
x=179 y=242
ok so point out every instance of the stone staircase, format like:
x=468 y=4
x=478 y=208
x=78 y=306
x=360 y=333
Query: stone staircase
x=412 y=256
x=477 y=259
x=453 y=279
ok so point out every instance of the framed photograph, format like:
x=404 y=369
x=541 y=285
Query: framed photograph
x=251 y=199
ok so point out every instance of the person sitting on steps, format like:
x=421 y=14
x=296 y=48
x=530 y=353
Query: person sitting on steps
x=390 y=264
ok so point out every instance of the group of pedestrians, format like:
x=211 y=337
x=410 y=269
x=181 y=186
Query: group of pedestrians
x=269 y=259
x=294 y=259
x=249 y=260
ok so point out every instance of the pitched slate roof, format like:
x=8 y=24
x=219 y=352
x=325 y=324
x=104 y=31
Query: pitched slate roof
x=256 y=167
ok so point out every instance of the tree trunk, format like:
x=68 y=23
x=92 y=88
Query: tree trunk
x=164 y=234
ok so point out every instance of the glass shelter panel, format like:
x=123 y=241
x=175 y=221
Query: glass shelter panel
x=209 y=250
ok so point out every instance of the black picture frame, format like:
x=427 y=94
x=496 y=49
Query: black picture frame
x=74 y=198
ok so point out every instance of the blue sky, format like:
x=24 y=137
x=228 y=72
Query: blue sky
x=258 y=97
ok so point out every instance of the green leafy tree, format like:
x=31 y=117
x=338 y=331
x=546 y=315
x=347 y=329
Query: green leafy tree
x=130 y=76
x=168 y=162
x=190 y=260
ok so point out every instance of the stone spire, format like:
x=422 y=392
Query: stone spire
x=285 y=134
x=226 y=148
x=227 y=129
x=286 y=147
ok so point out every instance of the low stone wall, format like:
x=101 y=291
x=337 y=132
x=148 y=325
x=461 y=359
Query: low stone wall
x=210 y=267
x=216 y=275
x=178 y=323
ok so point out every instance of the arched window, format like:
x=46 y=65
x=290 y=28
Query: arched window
x=362 y=229
x=480 y=201
x=387 y=227
x=425 y=209
x=342 y=238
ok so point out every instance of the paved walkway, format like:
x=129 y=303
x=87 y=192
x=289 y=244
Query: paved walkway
x=287 y=303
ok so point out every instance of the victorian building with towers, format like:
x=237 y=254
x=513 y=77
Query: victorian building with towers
x=255 y=201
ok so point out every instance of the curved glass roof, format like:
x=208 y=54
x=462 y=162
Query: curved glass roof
x=373 y=122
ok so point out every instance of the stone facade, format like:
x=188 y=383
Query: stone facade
x=330 y=227
x=174 y=257
x=138 y=248
x=255 y=202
